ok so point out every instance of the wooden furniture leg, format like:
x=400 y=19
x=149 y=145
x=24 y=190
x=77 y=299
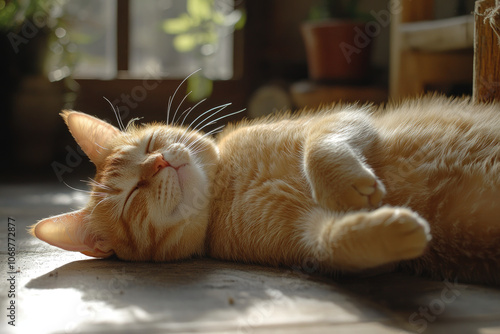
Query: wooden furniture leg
x=486 y=84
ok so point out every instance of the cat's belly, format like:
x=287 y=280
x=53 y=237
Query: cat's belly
x=260 y=193
x=441 y=169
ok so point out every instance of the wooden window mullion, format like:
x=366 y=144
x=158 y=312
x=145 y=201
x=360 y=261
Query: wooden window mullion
x=122 y=34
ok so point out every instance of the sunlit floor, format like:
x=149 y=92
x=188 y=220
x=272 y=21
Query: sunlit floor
x=53 y=291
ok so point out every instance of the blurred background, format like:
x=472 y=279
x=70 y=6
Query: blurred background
x=258 y=55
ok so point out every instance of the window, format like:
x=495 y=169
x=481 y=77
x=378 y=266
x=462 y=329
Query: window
x=92 y=28
x=99 y=27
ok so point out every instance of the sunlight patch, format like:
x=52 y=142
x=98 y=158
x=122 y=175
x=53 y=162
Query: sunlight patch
x=71 y=198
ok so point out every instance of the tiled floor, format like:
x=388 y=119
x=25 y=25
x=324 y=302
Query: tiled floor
x=64 y=292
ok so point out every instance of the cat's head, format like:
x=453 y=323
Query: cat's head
x=150 y=196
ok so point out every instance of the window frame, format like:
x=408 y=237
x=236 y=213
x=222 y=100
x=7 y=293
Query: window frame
x=151 y=105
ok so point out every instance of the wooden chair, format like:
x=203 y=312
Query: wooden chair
x=486 y=85
x=426 y=52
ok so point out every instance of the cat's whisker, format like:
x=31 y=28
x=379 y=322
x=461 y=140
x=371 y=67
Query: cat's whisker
x=187 y=112
x=222 y=117
x=188 y=137
x=132 y=121
x=192 y=146
x=205 y=135
x=96 y=184
x=171 y=98
x=117 y=115
x=217 y=109
x=168 y=108
x=198 y=150
x=216 y=130
x=178 y=137
x=76 y=189
x=99 y=146
x=190 y=110
x=101 y=201
x=178 y=107
x=184 y=137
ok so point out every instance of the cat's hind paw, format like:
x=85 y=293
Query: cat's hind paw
x=402 y=233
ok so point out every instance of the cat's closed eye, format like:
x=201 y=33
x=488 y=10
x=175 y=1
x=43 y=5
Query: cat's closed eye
x=131 y=193
x=150 y=144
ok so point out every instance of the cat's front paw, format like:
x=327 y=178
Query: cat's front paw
x=366 y=191
x=356 y=190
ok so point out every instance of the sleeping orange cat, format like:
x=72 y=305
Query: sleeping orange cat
x=414 y=186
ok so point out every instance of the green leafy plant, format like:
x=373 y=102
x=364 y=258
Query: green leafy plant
x=41 y=42
x=39 y=28
x=14 y=13
x=198 y=28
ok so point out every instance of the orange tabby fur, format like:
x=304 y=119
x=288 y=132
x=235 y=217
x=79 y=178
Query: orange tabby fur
x=347 y=188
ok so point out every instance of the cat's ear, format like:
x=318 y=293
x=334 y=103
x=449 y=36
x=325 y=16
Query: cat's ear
x=92 y=134
x=67 y=231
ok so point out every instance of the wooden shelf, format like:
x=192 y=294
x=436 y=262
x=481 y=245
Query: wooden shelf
x=311 y=94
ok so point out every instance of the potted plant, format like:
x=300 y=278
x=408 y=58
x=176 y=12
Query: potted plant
x=338 y=48
x=35 y=82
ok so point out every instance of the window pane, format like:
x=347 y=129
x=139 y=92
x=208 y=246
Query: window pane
x=92 y=28
x=153 y=50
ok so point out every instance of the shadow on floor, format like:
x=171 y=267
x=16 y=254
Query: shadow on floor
x=195 y=290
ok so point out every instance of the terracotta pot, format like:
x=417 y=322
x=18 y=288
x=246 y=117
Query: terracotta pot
x=337 y=50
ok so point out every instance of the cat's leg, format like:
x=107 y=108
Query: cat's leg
x=335 y=166
x=364 y=240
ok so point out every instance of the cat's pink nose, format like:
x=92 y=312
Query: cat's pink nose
x=160 y=163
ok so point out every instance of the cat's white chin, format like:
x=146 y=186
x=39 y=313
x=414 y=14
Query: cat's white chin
x=193 y=193
x=183 y=173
